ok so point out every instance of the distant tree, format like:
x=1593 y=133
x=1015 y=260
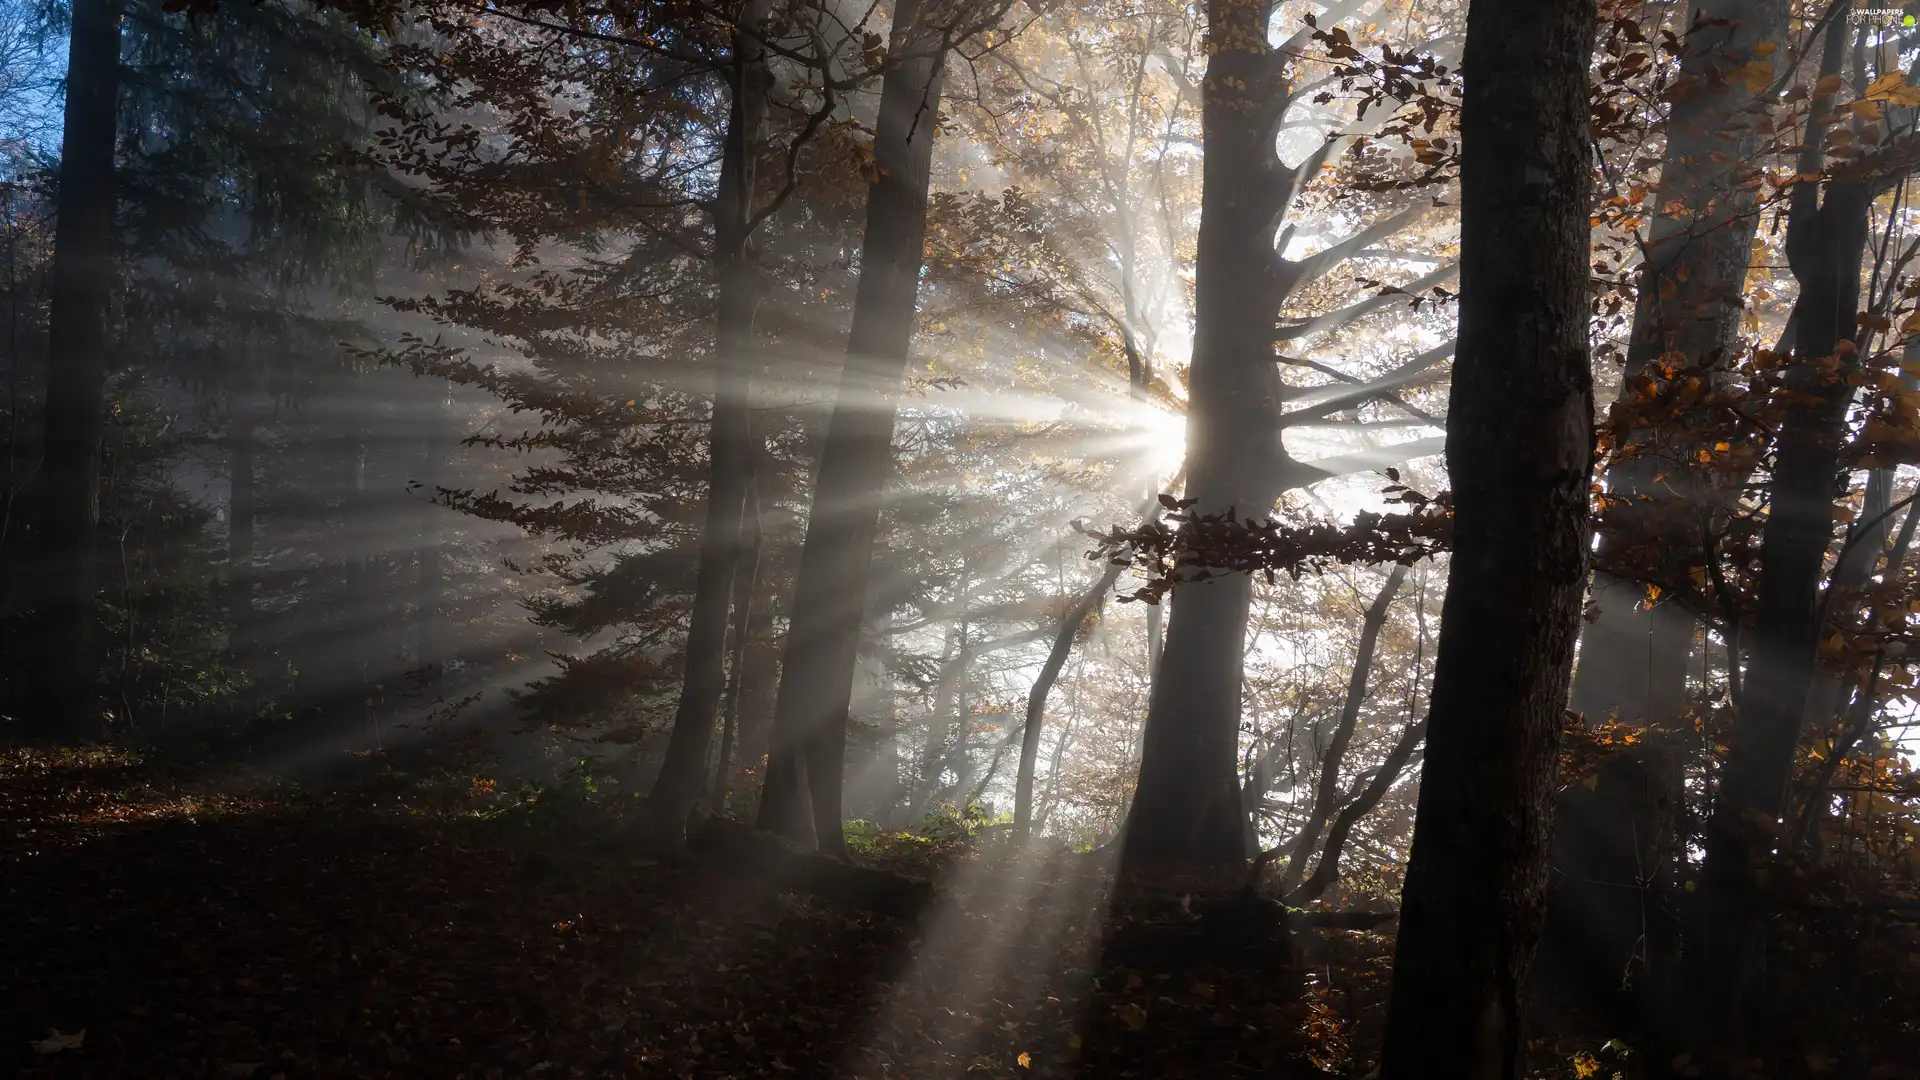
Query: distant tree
x=1634 y=652
x=802 y=795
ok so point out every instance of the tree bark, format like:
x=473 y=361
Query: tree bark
x=1519 y=450
x=802 y=796
x=64 y=688
x=1826 y=240
x=684 y=772
x=1187 y=808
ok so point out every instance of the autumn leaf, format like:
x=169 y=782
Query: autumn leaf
x=1024 y=1060
x=1892 y=87
x=1755 y=76
x=58 y=1040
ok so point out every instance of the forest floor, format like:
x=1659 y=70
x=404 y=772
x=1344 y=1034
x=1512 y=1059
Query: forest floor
x=163 y=925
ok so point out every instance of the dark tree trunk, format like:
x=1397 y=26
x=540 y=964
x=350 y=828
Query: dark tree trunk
x=242 y=509
x=759 y=679
x=359 y=526
x=65 y=682
x=684 y=773
x=1327 y=793
x=1187 y=808
x=1826 y=240
x=746 y=581
x=430 y=643
x=1519 y=450
x=803 y=789
x=1634 y=656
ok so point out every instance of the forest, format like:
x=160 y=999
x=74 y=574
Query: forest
x=912 y=539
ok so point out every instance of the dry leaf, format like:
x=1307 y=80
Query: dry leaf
x=58 y=1040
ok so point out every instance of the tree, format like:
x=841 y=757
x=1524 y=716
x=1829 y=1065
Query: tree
x=63 y=697
x=1327 y=793
x=802 y=795
x=1826 y=241
x=1519 y=451
x=1633 y=654
x=1187 y=806
x=731 y=456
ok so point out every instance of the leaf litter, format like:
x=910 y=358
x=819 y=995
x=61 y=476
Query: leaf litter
x=155 y=928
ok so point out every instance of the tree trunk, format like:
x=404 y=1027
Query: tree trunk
x=684 y=772
x=802 y=795
x=64 y=695
x=1632 y=660
x=759 y=676
x=1328 y=791
x=1634 y=656
x=746 y=581
x=942 y=720
x=360 y=525
x=430 y=642
x=1186 y=808
x=1826 y=239
x=242 y=507
x=1519 y=450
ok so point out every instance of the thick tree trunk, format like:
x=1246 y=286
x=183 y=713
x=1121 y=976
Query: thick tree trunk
x=1519 y=450
x=1634 y=656
x=1186 y=808
x=802 y=796
x=1327 y=793
x=64 y=687
x=684 y=772
x=1826 y=240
